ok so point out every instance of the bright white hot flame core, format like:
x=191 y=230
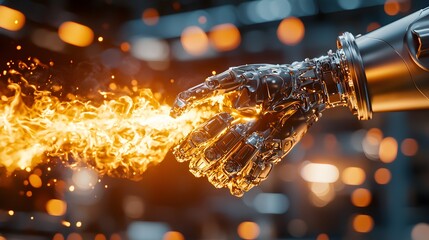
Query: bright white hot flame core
x=122 y=136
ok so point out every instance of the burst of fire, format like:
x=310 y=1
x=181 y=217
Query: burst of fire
x=122 y=136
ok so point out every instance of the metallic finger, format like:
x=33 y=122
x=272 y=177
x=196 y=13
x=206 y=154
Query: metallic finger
x=190 y=145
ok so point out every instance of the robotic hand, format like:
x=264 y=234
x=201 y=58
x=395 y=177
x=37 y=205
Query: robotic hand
x=272 y=106
x=238 y=152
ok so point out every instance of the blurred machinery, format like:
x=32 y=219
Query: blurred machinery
x=346 y=179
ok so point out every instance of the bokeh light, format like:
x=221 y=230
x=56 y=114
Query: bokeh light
x=297 y=228
x=225 y=37
x=382 y=176
x=353 y=176
x=56 y=207
x=35 y=181
x=420 y=231
x=291 y=31
x=58 y=236
x=115 y=236
x=248 y=230
x=372 y=26
x=84 y=178
x=100 y=236
x=323 y=193
x=363 y=223
x=392 y=7
x=125 y=47
x=409 y=147
x=322 y=236
x=361 y=197
x=319 y=172
x=133 y=206
x=74 y=236
x=76 y=34
x=11 y=19
x=194 y=40
x=173 y=235
x=388 y=150
x=150 y=16
x=371 y=143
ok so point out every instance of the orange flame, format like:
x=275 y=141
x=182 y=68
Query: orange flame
x=120 y=137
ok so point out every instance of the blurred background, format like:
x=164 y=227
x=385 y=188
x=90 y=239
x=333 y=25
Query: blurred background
x=347 y=179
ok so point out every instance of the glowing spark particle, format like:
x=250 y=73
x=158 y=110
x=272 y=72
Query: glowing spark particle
x=32 y=217
x=100 y=39
x=18 y=47
x=79 y=224
x=66 y=223
x=213 y=72
x=105 y=186
x=71 y=188
x=11 y=212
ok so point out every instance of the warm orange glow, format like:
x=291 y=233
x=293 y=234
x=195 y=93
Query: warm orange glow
x=76 y=34
x=173 y=235
x=353 y=176
x=409 y=147
x=56 y=207
x=66 y=223
x=388 y=150
x=74 y=236
x=194 y=40
x=363 y=223
x=323 y=193
x=320 y=189
x=361 y=197
x=125 y=47
x=322 y=236
x=382 y=176
x=225 y=37
x=150 y=16
x=115 y=236
x=291 y=31
x=35 y=181
x=10 y=212
x=319 y=172
x=372 y=26
x=100 y=236
x=11 y=19
x=374 y=135
x=58 y=236
x=392 y=7
x=248 y=230
x=420 y=231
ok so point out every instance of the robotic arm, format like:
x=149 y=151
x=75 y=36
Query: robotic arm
x=385 y=70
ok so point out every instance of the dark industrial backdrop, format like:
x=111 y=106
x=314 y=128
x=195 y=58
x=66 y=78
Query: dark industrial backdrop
x=378 y=187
